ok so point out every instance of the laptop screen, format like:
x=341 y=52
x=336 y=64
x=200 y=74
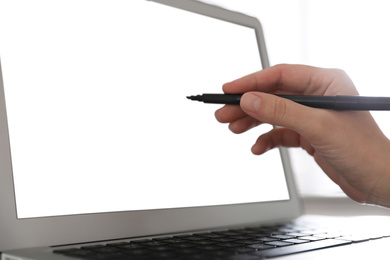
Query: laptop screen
x=98 y=116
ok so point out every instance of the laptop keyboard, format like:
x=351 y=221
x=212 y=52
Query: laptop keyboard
x=235 y=244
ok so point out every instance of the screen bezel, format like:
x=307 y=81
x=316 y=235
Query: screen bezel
x=31 y=232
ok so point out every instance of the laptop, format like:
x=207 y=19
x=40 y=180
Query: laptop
x=103 y=157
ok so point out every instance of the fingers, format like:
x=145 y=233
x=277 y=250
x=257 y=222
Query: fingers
x=229 y=113
x=282 y=112
x=280 y=137
x=243 y=124
x=238 y=119
x=257 y=108
x=282 y=79
x=293 y=79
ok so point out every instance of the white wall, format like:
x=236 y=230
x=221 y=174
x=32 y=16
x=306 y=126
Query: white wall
x=351 y=34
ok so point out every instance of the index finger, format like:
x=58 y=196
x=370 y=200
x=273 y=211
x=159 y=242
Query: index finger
x=287 y=79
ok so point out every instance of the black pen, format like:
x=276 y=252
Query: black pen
x=326 y=102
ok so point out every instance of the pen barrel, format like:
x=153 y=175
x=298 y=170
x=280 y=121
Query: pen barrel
x=232 y=99
x=327 y=102
x=342 y=102
x=362 y=103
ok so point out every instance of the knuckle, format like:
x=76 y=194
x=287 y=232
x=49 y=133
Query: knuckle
x=339 y=72
x=279 y=109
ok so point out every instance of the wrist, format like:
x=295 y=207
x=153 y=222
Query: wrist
x=380 y=194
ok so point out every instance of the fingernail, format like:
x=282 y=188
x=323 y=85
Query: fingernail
x=251 y=102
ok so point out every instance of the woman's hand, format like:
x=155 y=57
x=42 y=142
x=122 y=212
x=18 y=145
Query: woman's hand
x=347 y=145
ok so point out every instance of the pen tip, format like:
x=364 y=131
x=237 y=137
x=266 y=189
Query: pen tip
x=193 y=97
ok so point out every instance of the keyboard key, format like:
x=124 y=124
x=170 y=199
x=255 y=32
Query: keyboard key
x=92 y=247
x=281 y=251
x=138 y=252
x=354 y=239
x=189 y=251
x=230 y=245
x=183 y=245
x=282 y=236
x=242 y=237
x=210 y=235
x=248 y=242
x=173 y=240
x=229 y=233
x=141 y=241
x=261 y=234
x=166 y=255
x=192 y=238
x=314 y=232
x=330 y=235
x=267 y=239
x=260 y=246
x=75 y=252
x=278 y=243
x=151 y=243
x=161 y=248
x=299 y=234
x=296 y=241
x=105 y=250
x=111 y=256
x=217 y=254
x=162 y=238
x=224 y=239
x=250 y=232
x=204 y=242
x=209 y=247
x=129 y=246
x=312 y=238
x=118 y=244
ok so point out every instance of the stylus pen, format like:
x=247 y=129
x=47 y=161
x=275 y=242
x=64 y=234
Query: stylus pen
x=326 y=102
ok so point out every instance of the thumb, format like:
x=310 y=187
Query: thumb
x=279 y=111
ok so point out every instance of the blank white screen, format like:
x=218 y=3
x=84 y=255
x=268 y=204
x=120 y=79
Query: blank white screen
x=98 y=116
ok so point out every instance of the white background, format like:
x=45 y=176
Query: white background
x=98 y=116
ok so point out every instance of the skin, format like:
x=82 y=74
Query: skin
x=348 y=145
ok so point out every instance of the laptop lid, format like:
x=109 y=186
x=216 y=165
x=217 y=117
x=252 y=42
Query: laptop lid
x=97 y=138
